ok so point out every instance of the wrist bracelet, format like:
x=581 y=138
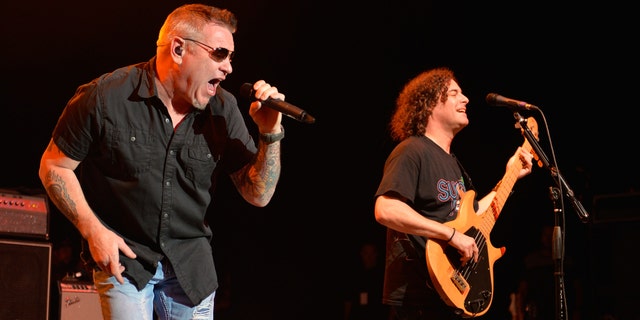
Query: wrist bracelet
x=453 y=234
x=270 y=138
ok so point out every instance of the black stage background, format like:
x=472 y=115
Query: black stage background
x=344 y=63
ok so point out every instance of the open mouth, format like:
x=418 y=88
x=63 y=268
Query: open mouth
x=211 y=86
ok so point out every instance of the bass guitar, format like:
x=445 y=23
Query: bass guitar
x=468 y=288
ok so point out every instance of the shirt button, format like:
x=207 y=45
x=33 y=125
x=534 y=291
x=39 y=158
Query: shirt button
x=166 y=215
x=171 y=152
x=132 y=139
x=162 y=244
x=167 y=183
x=166 y=120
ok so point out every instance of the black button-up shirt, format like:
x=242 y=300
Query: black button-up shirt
x=149 y=183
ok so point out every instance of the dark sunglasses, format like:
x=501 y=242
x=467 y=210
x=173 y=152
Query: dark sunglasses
x=216 y=54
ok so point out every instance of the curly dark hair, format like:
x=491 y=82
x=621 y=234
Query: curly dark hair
x=417 y=100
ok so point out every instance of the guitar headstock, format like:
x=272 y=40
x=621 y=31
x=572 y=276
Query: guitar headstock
x=533 y=127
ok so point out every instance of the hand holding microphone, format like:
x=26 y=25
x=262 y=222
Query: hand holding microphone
x=246 y=91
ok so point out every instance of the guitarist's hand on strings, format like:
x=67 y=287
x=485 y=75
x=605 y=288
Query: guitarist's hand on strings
x=467 y=247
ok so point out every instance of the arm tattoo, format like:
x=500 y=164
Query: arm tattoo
x=261 y=177
x=59 y=194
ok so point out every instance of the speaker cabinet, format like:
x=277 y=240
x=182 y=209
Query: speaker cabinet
x=613 y=239
x=79 y=301
x=25 y=271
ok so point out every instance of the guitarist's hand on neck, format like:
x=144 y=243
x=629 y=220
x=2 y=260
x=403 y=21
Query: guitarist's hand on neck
x=526 y=159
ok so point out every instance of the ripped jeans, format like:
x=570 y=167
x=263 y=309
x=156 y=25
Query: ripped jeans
x=162 y=294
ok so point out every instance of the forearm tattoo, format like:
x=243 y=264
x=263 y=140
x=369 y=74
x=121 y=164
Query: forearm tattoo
x=263 y=175
x=59 y=194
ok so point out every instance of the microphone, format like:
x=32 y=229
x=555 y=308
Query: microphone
x=246 y=90
x=497 y=100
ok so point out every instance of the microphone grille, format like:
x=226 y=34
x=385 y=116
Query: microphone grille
x=491 y=98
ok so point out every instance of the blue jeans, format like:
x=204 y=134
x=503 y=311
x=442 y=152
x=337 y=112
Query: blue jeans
x=162 y=294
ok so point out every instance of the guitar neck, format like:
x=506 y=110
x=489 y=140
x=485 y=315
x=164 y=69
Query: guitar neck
x=503 y=191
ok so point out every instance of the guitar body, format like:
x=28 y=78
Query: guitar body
x=469 y=288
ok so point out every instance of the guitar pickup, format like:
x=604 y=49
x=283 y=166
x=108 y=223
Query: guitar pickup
x=460 y=282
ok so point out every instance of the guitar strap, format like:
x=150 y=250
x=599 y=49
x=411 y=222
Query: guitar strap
x=468 y=184
x=465 y=176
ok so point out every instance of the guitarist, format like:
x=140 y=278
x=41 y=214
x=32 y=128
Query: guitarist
x=421 y=189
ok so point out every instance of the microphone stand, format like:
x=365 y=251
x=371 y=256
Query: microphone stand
x=555 y=173
x=557 y=254
x=558 y=234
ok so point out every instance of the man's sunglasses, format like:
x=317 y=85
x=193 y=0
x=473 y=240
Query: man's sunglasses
x=216 y=54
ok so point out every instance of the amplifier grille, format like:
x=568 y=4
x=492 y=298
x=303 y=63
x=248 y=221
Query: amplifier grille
x=24 y=215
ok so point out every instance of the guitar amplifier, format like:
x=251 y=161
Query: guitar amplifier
x=25 y=274
x=24 y=215
x=79 y=301
x=624 y=207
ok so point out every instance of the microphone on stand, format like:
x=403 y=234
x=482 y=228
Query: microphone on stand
x=497 y=100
